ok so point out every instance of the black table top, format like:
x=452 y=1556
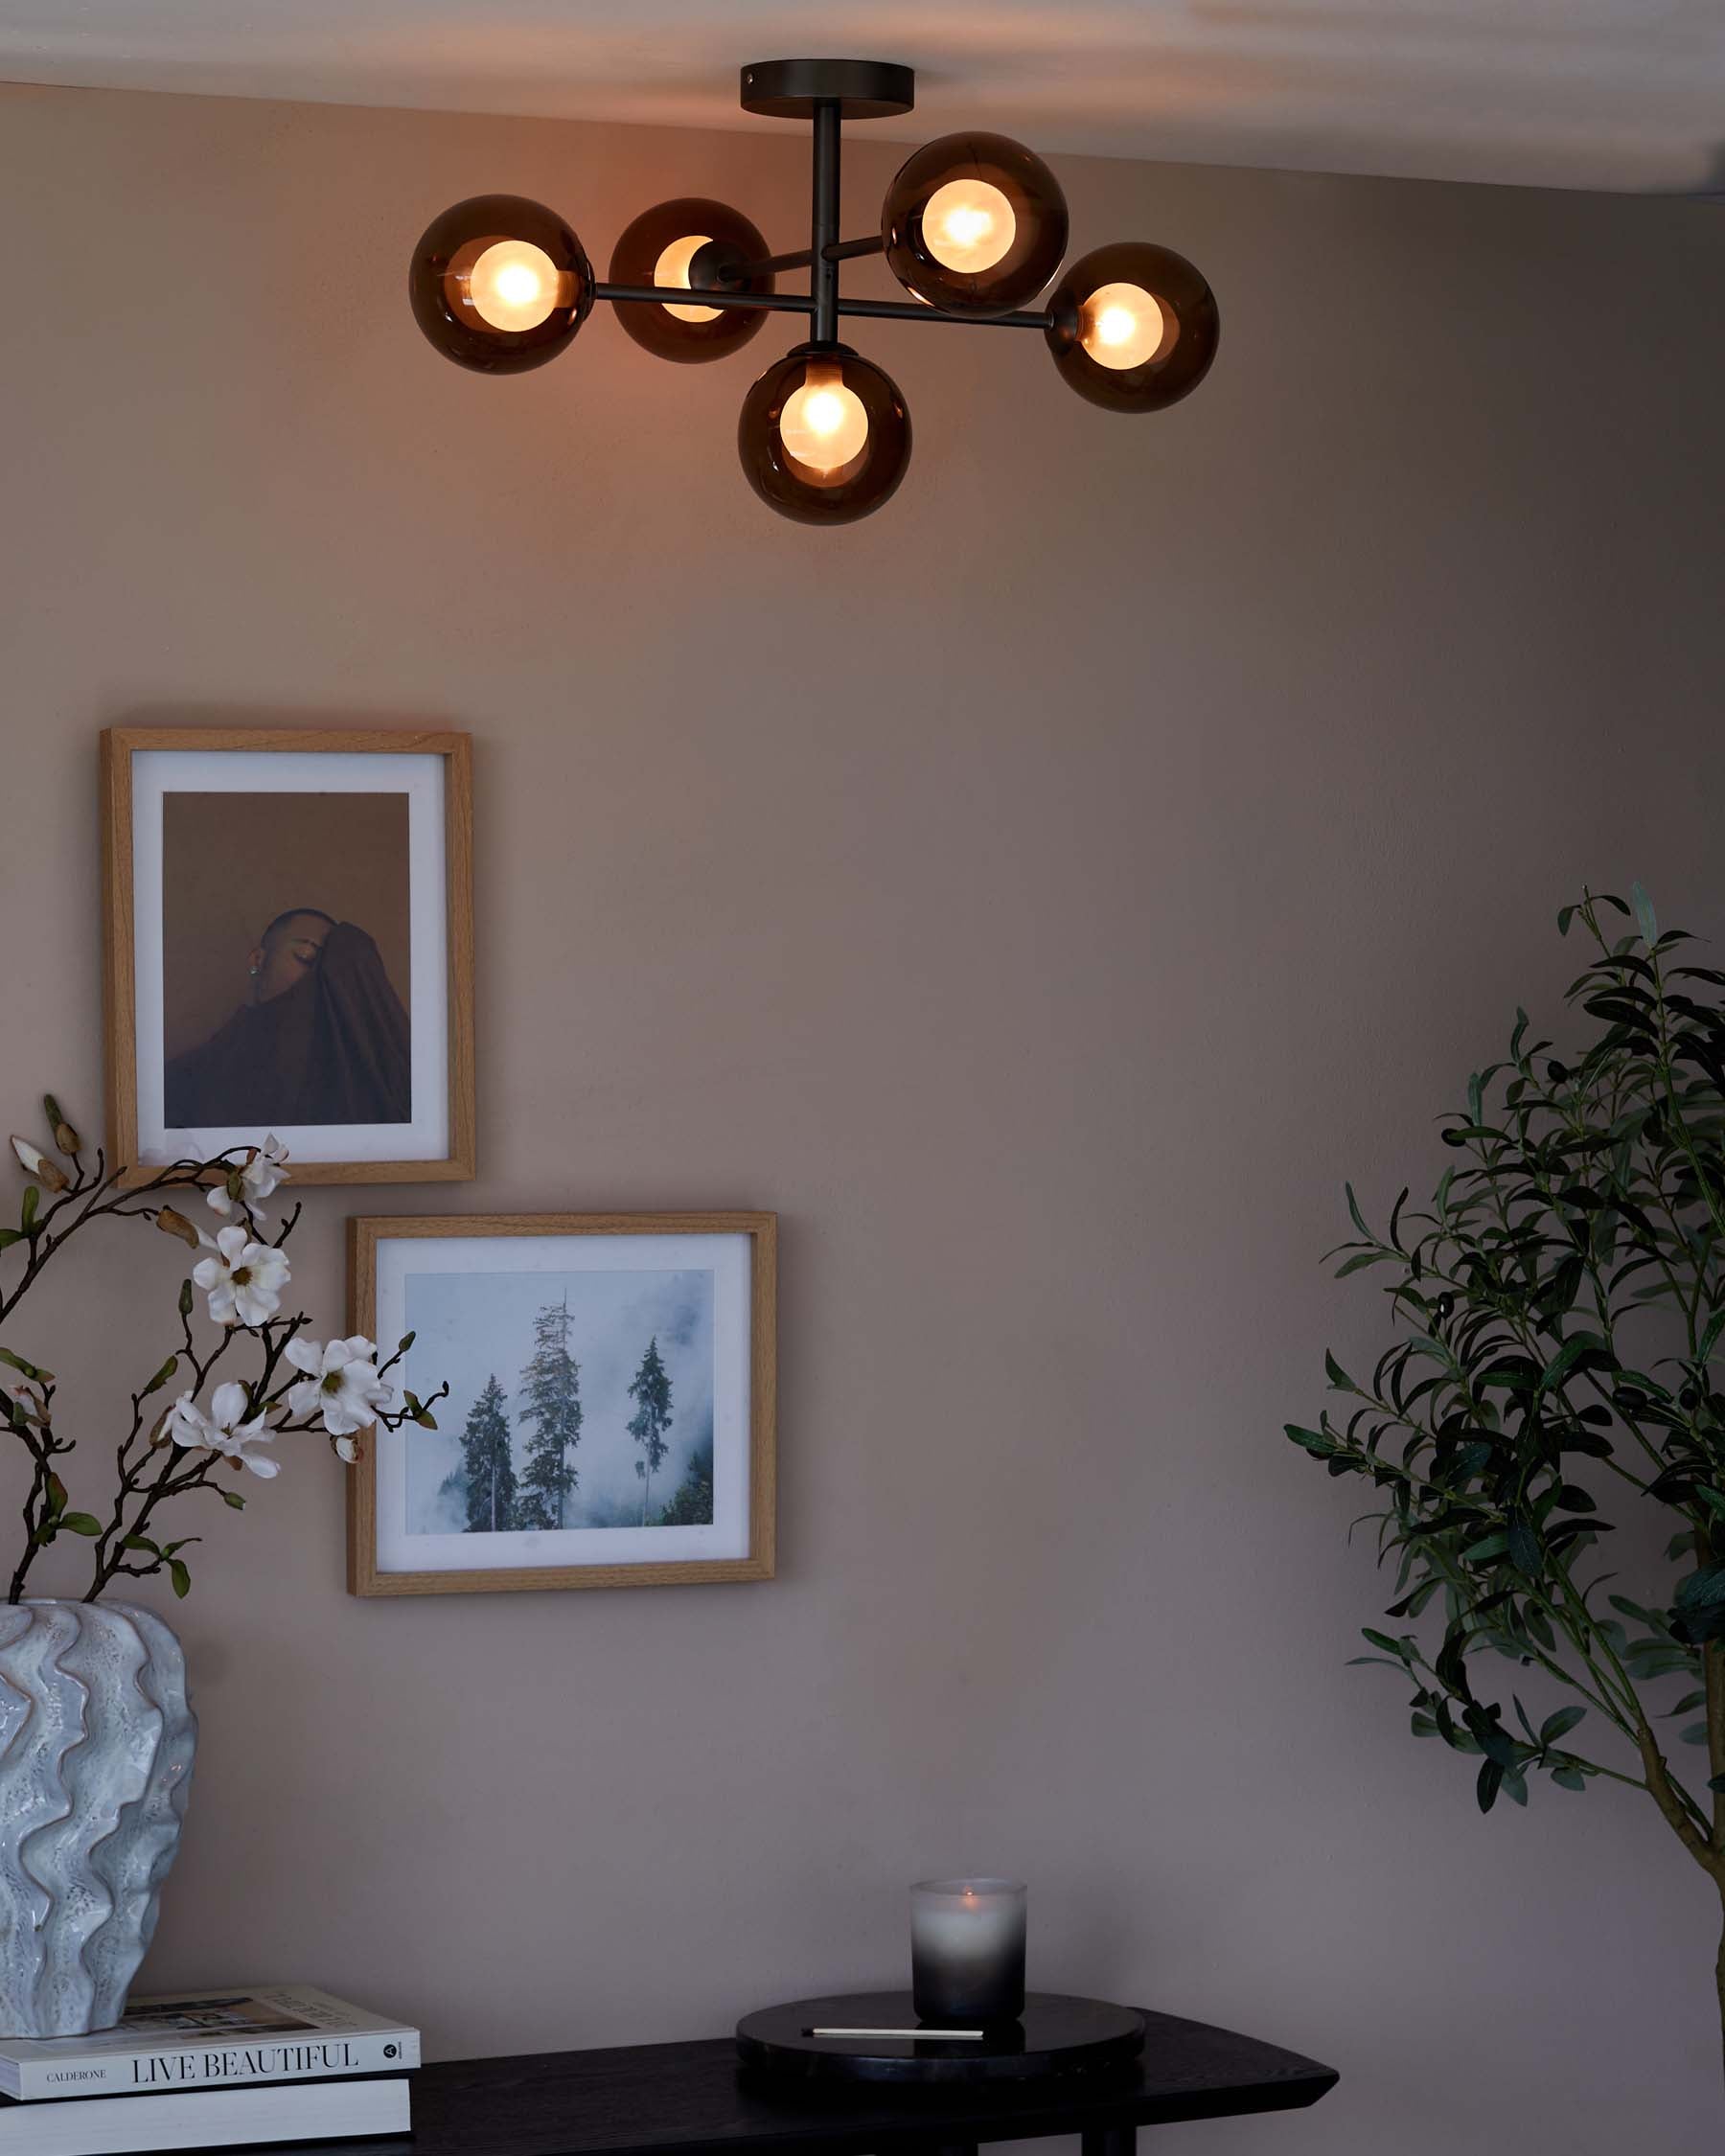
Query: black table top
x=694 y=2100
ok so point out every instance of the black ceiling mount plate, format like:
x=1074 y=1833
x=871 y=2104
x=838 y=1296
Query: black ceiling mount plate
x=1058 y=2035
x=791 y=89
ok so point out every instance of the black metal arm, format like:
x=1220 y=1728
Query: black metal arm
x=803 y=302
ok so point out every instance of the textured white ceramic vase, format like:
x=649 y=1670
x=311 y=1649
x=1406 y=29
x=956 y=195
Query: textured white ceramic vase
x=95 y=1745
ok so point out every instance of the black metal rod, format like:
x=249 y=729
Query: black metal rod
x=823 y=223
x=803 y=302
x=768 y=266
x=902 y=310
x=685 y=295
x=799 y=258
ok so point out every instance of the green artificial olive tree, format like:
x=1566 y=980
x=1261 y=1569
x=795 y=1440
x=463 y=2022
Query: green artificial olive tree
x=1558 y=1314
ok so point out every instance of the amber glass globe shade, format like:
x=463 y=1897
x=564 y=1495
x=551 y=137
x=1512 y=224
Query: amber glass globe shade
x=499 y=284
x=975 y=224
x=687 y=241
x=1135 y=326
x=824 y=436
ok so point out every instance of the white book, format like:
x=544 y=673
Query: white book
x=209 y=2040
x=206 y=2118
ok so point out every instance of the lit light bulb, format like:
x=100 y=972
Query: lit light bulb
x=968 y=226
x=1123 y=325
x=514 y=285
x=824 y=424
x=673 y=268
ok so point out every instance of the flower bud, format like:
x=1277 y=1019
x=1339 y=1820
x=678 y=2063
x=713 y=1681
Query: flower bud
x=171 y=1223
x=64 y=1136
x=37 y=1164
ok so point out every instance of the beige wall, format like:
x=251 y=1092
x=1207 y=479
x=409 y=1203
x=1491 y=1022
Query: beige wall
x=1042 y=895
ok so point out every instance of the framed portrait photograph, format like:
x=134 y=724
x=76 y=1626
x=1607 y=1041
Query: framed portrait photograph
x=609 y=1417
x=288 y=949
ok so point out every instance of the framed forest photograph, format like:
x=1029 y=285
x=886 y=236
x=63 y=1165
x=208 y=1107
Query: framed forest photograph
x=288 y=949
x=610 y=1414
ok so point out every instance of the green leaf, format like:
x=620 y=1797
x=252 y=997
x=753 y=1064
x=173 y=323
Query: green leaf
x=161 y=1377
x=1354 y=1213
x=1698 y=1613
x=1488 y=1546
x=1313 y=1440
x=8 y=1236
x=79 y=1522
x=140 y=1542
x=1490 y=1781
x=26 y=1369
x=181 y=1576
x=56 y=1497
x=1526 y=1552
x=1577 y=1345
x=27 y=1212
x=1646 y=920
x=1515 y=1787
x=1361 y=1261
x=1716 y=1783
x=185 y=1298
x=1560 y=1723
x=425 y=1419
x=233 y=1497
x=1332 y=1370
x=1569 y=1778
x=406 y=1342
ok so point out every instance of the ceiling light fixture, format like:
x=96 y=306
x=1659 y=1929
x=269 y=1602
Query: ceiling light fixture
x=974 y=226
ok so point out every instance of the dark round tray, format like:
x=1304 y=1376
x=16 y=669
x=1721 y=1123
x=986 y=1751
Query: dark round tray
x=1058 y=2034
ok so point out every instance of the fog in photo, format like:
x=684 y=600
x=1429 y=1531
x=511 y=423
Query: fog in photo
x=576 y=1400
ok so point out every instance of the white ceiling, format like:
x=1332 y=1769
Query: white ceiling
x=1609 y=93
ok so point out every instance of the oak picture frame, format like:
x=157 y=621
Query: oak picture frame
x=119 y=745
x=367 y=1578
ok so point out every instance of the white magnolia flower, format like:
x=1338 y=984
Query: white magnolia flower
x=341 y=1384
x=242 y=1280
x=224 y=1429
x=264 y=1170
x=23 y=1394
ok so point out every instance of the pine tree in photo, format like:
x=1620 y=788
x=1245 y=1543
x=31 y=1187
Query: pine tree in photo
x=551 y=1402
x=651 y=1391
x=488 y=1464
x=692 y=1506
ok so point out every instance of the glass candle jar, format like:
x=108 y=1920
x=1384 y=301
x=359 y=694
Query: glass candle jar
x=967 y=1951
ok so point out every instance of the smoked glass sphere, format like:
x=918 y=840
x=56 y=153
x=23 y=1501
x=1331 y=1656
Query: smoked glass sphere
x=499 y=284
x=824 y=436
x=975 y=224
x=1135 y=326
x=688 y=242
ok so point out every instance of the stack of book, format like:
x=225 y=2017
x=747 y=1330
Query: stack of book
x=209 y=2070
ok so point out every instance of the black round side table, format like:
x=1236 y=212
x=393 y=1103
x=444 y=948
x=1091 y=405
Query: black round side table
x=1058 y=2035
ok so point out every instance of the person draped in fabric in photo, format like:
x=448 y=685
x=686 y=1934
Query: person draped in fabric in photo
x=322 y=1039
